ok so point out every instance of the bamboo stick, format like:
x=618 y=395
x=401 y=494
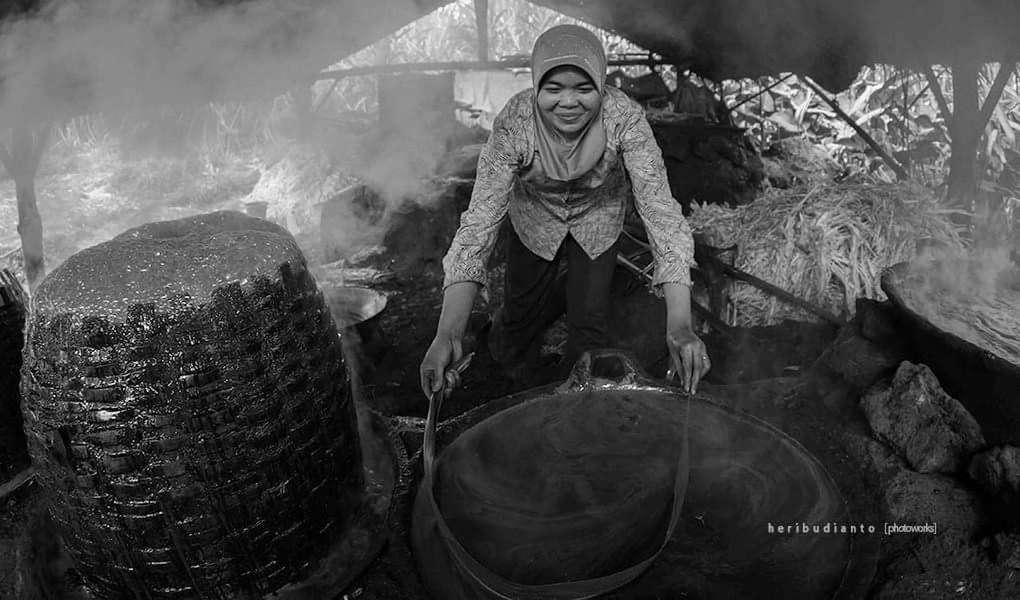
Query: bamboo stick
x=897 y=168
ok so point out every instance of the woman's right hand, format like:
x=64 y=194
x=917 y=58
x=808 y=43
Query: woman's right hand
x=444 y=351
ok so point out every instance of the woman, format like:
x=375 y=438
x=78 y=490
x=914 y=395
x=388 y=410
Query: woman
x=557 y=163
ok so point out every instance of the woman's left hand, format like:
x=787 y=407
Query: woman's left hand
x=688 y=357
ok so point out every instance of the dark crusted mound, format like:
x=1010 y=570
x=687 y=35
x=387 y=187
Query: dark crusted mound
x=168 y=263
x=187 y=402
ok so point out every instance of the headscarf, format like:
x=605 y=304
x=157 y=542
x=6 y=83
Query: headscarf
x=578 y=47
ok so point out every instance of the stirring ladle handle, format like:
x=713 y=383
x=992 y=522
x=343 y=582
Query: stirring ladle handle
x=435 y=404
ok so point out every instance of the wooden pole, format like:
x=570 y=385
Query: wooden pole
x=22 y=163
x=966 y=135
x=482 y=24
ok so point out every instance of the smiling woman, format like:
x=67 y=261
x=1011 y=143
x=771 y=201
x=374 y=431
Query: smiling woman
x=567 y=100
x=563 y=164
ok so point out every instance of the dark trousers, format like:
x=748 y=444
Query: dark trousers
x=536 y=295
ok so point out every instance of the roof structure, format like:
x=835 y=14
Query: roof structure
x=828 y=40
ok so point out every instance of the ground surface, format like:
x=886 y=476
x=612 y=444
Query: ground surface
x=761 y=372
x=911 y=567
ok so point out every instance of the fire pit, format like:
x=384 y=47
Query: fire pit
x=745 y=477
x=965 y=327
x=189 y=410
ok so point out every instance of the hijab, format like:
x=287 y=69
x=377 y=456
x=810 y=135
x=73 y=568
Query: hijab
x=571 y=45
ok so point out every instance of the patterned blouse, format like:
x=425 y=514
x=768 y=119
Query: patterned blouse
x=592 y=208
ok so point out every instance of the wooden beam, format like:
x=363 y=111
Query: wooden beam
x=489 y=65
x=897 y=168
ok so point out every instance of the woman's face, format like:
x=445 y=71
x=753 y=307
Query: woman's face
x=569 y=99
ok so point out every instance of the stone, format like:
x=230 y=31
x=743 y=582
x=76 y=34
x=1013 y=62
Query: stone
x=931 y=429
x=1005 y=549
x=875 y=457
x=864 y=350
x=877 y=323
x=997 y=471
x=917 y=499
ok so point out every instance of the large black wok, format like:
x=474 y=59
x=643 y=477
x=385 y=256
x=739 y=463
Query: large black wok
x=747 y=479
x=986 y=382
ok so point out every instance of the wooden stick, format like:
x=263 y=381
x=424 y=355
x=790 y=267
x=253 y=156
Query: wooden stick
x=940 y=98
x=739 y=275
x=17 y=482
x=897 y=168
x=778 y=292
x=995 y=92
x=760 y=92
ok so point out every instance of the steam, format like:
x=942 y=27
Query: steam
x=982 y=273
x=109 y=55
x=112 y=57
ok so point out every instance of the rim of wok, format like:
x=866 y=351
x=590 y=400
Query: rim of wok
x=861 y=564
x=891 y=282
x=367 y=303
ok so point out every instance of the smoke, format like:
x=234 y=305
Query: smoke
x=109 y=55
x=115 y=57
